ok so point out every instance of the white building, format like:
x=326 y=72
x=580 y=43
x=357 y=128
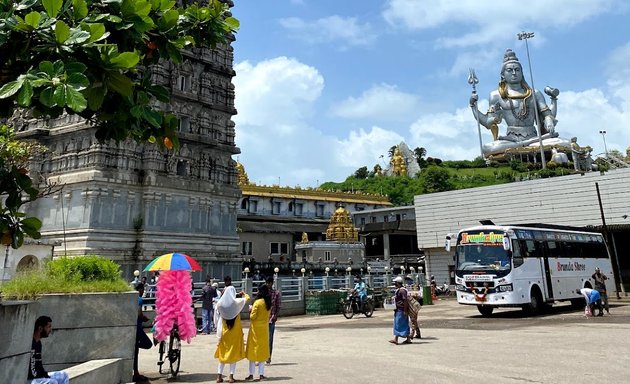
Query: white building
x=30 y=255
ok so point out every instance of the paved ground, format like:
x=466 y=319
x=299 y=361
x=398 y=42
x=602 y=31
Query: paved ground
x=458 y=346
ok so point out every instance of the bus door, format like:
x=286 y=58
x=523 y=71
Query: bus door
x=549 y=251
x=547 y=278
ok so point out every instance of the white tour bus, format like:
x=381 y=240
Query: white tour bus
x=526 y=265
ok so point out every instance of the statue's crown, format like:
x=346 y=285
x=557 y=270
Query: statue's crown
x=510 y=57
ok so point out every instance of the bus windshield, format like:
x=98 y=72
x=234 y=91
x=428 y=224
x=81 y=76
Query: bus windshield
x=482 y=252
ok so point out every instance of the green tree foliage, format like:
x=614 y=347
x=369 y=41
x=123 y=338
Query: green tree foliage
x=419 y=154
x=436 y=179
x=361 y=173
x=16 y=189
x=399 y=189
x=93 y=59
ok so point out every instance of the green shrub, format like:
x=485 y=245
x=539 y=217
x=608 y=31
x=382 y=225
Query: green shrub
x=66 y=275
x=86 y=268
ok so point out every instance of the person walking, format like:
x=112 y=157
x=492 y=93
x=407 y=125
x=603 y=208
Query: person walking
x=276 y=301
x=230 y=348
x=600 y=285
x=414 y=310
x=401 y=317
x=36 y=372
x=208 y=294
x=258 y=336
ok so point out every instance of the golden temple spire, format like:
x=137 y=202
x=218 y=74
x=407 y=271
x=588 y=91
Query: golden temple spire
x=341 y=227
x=242 y=175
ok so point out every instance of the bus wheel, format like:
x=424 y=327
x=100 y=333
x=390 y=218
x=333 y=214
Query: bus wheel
x=485 y=310
x=535 y=302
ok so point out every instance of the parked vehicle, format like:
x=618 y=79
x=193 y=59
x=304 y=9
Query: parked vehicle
x=443 y=290
x=351 y=305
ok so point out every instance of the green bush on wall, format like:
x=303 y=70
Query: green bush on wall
x=66 y=275
x=88 y=268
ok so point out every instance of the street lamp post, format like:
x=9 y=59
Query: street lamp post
x=525 y=36
x=603 y=133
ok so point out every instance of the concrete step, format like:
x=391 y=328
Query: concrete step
x=105 y=371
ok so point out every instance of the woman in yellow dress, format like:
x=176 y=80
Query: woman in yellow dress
x=230 y=348
x=258 y=337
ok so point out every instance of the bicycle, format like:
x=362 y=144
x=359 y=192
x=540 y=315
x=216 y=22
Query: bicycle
x=173 y=350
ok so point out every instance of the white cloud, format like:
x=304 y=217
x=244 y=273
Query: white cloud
x=494 y=21
x=618 y=71
x=332 y=29
x=274 y=99
x=363 y=148
x=381 y=103
x=449 y=136
x=276 y=93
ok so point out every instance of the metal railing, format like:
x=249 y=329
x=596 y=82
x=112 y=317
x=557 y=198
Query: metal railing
x=292 y=289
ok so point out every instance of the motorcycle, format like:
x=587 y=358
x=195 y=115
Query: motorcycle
x=444 y=290
x=351 y=305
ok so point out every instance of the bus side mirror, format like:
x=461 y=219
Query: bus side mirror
x=447 y=244
x=506 y=243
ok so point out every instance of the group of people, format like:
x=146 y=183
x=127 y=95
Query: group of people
x=231 y=347
x=594 y=297
x=405 y=314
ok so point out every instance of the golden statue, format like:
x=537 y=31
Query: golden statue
x=304 y=237
x=399 y=165
x=378 y=171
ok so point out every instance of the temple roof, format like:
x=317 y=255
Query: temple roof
x=250 y=189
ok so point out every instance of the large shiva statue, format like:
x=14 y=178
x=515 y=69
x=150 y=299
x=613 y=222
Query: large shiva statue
x=513 y=102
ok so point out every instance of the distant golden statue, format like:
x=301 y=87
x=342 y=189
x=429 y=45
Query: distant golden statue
x=399 y=165
x=304 y=237
x=378 y=171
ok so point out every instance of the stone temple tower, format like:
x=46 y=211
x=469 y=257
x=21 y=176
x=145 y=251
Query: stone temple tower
x=132 y=202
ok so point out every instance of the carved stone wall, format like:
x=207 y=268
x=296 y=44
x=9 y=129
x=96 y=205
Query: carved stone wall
x=132 y=202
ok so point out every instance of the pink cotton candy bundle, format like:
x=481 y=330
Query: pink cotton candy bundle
x=174 y=305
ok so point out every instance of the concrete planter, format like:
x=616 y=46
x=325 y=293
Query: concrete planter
x=16 y=333
x=86 y=326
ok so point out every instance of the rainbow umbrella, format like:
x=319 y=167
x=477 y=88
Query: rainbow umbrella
x=173 y=262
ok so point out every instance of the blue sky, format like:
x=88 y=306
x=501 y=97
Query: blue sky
x=324 y=87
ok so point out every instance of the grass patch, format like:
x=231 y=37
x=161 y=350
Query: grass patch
x=66 y=275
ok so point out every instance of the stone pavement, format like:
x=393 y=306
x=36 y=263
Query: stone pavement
x=458 y=345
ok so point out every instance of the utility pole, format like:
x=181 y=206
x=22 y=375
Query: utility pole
x=614 y=261
x=525 y=36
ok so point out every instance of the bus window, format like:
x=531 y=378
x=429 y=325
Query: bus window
x=597 y=250
x=573 y=249
x=532 y=248
x=554 y=249
x=517 y=258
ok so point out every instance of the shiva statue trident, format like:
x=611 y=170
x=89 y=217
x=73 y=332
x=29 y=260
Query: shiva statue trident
x=513 y=102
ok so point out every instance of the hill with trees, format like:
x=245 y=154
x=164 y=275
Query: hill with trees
x=439 y=176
